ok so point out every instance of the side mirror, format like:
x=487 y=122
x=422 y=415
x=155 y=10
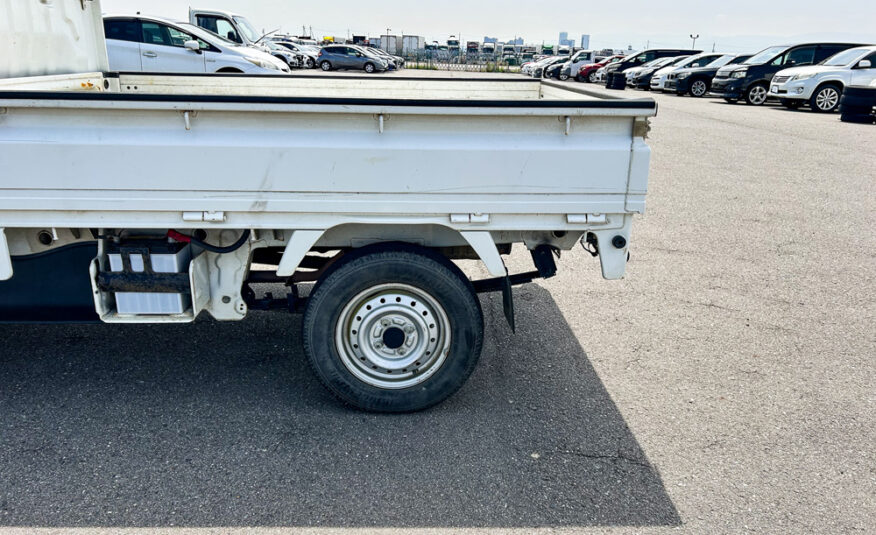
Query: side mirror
x=865 y=64
x=192 y=45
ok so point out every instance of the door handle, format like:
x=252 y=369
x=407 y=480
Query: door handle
x=150 y=54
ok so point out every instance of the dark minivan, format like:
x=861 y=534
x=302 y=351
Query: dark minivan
x=750 y=79
x=645 y=56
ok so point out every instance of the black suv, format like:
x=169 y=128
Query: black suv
x=645 y=56
x=750 y=79
x=697 y=81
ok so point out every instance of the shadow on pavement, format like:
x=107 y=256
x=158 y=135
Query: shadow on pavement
x=224 y=425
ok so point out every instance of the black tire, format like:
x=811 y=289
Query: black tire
x=325 y=66
x=592 y=77
x=698 y=87
x=756 y=95
x=310 y=63
x=580 y=79
x=363 y=278
x=564 y=77
x=826 y=98
x=369 y=68
x=791 y=103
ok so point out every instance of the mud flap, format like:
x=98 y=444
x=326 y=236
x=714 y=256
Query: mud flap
x=508 y=303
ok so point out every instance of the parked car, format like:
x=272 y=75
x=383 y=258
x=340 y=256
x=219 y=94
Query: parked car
x=821 y=86
x=696 y=81
x=538 y=71
x=395 y=62
x=637 y=59
x=310 y=53
x=152 y=44
x=336 y=57
x=293 y=60
x=750 y=80
x=640 y=77
x=578 y=60
x=697 y=60
x=587 y=73
x=555 y=71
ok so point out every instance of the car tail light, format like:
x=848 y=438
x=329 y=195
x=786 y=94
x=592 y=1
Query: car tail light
x=320 y=53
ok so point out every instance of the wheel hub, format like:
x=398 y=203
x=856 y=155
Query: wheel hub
x=393 y=336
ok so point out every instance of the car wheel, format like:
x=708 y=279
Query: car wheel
x=756 y=95
x=580 y=78
x=825 y=99
x=791 y=104
x=369 y=68
x=698 y=88
x=592 y=77
x=325 y=66
x=310 y=63
x=393 y=329
x=564 y=77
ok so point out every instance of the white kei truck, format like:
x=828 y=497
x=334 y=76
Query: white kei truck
x=154 y=198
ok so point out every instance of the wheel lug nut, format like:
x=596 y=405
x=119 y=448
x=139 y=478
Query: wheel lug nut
x=401 y=352
x=385 y=323
x=409 y=329
x=378 y=345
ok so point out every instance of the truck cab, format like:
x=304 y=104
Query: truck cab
x=235 y=28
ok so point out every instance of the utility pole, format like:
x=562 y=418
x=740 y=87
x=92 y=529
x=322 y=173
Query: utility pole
x=694 y=37
x=713 y=46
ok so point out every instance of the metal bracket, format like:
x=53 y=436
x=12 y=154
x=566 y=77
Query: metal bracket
x=381 y=119
x=188 y=115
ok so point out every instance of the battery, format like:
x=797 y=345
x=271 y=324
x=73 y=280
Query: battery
x=164 y=258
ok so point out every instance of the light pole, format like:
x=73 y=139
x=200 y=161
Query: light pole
x=694 y=37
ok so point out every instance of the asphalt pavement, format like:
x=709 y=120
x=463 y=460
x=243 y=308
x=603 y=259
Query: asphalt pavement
x=727 y=385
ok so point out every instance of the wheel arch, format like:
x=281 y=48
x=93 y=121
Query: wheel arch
x=301 y=242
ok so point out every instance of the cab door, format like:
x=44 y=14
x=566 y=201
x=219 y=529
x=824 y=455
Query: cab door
x=163 y=50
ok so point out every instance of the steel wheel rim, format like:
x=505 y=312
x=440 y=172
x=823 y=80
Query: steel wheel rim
x=393 y=336
x=592 y=77
x=698 y=88
x=827 y=99
x=757 y=95
x=369 y=68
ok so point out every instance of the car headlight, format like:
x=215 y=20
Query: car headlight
x=739 y=74
x=802 y=77
x=683 y=75
x=263 y=64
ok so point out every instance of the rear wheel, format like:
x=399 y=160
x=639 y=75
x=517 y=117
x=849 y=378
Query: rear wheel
x=369 y=68
x=698 y=88
x=825 y=99
x=393 y=329
x=756 y=95
x=564 y=77
x=325 y=66
x=310 y=63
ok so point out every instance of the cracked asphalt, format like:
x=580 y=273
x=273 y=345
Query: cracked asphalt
x=726 y=385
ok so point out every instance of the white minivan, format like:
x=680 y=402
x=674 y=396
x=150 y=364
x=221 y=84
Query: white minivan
x=151 y=44
x=821 y=85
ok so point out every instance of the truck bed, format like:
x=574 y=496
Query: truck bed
x=146 y=150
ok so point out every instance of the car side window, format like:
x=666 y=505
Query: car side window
x=801 y=56
x=220 y=26
x=122 y=30
x=156 y=34
x=872 y=59
x=352 y=52
x=827 y=51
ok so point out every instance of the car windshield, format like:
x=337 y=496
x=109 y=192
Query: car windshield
x=247 y=29
x=765 y=55
x=721 y=61
x=844 y=58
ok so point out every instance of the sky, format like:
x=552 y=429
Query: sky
x=729 y=26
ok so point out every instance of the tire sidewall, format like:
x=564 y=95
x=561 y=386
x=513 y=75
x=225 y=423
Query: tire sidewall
x=343 y=284
x=325 y=66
